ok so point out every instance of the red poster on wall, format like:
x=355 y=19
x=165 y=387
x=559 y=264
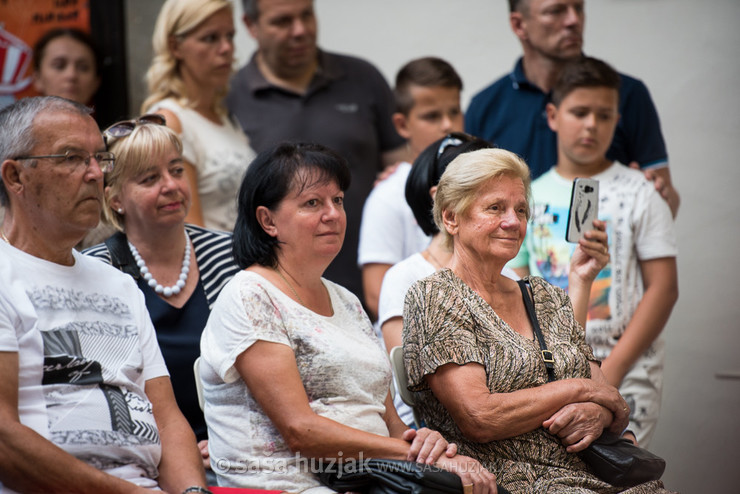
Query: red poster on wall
x=22 y=23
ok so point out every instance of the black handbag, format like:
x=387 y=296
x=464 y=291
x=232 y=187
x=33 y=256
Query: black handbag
x=380 y=476
x=618 y=461
x=613 y=459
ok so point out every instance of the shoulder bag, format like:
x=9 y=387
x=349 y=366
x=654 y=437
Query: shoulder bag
x=120 y=255
x=613 y=459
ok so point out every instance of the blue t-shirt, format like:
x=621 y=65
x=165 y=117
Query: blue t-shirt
x=511 y=114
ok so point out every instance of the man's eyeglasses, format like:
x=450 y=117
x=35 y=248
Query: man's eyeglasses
x=453 y=139
x=76 y=159
x=125 y=127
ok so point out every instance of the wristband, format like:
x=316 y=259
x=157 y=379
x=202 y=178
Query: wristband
x=196 y=488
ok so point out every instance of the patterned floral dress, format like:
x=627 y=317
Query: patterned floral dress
x=445 y=321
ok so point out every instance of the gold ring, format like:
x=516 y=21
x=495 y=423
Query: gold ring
x=468 y=489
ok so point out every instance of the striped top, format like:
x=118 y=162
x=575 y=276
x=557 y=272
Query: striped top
x=213 y=255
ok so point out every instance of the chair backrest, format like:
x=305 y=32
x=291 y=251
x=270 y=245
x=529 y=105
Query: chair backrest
x=198 y=382
x=401 y=381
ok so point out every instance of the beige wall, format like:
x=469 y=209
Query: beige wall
x=687 y=53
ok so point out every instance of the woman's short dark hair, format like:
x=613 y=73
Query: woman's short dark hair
x=66 y=32
x=427 y=170
x=269 y=179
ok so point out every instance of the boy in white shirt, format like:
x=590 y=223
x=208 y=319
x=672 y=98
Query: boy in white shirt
x=632 y=298
x=428 y=108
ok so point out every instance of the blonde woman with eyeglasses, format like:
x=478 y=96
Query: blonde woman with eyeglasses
x=179 y=268
x=188 y=79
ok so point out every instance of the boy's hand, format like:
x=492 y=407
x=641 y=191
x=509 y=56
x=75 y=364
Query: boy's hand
x=386 y=172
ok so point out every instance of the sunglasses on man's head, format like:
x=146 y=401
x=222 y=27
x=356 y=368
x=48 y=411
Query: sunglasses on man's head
x=125 y=127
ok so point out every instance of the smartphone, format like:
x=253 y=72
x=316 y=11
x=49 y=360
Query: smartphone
x=584 y=208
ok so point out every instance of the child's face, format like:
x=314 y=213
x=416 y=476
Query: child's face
x=436 y=113
x=585 y=123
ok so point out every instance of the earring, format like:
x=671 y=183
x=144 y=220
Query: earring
x=119 y=210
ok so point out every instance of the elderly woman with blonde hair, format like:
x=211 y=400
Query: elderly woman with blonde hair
x=188 y=80
x=470 y=349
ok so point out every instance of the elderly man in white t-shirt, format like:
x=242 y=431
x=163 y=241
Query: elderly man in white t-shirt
x=86 y=403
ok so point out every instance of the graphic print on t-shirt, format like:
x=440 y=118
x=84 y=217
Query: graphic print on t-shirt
x=92 y=362
x=551 y=255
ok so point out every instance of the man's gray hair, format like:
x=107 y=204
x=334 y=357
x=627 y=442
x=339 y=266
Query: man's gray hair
x=251 y=9
x=16 y=127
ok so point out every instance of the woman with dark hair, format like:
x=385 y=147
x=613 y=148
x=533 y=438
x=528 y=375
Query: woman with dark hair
x=66 y=63
x=293 y=355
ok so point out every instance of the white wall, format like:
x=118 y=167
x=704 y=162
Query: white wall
x=688 y=53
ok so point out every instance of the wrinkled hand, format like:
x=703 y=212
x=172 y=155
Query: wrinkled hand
x=471 y=473
x=592 y=253
x=205 y=455
x=608 y=396
x=578 y=424
x=427 y=445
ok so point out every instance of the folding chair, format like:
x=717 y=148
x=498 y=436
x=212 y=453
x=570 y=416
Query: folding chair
x=401 y=381
x=198 y=382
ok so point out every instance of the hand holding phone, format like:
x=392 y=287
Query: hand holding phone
x=584 y=208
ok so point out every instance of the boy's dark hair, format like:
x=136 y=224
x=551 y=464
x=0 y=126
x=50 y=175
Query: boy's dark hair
x=425 y=72
x=584 y=72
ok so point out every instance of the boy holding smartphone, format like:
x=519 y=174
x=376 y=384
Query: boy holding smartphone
x=632 y=298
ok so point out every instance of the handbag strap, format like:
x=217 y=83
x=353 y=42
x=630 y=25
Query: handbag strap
x=120 y=255
x=547 y=356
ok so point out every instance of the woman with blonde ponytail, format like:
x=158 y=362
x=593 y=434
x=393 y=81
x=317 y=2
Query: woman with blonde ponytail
x=188 y=80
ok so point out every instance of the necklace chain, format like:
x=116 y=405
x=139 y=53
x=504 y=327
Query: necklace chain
x=434 y=258
x=2 y=232
x=167 y=291
x=277 y=269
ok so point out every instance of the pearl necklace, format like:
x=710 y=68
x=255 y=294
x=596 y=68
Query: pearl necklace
x=167 y=291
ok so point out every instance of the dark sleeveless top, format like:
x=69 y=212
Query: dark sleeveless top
x=178 y=334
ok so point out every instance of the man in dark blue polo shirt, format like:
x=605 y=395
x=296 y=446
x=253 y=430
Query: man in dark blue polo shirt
x=511 y=112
